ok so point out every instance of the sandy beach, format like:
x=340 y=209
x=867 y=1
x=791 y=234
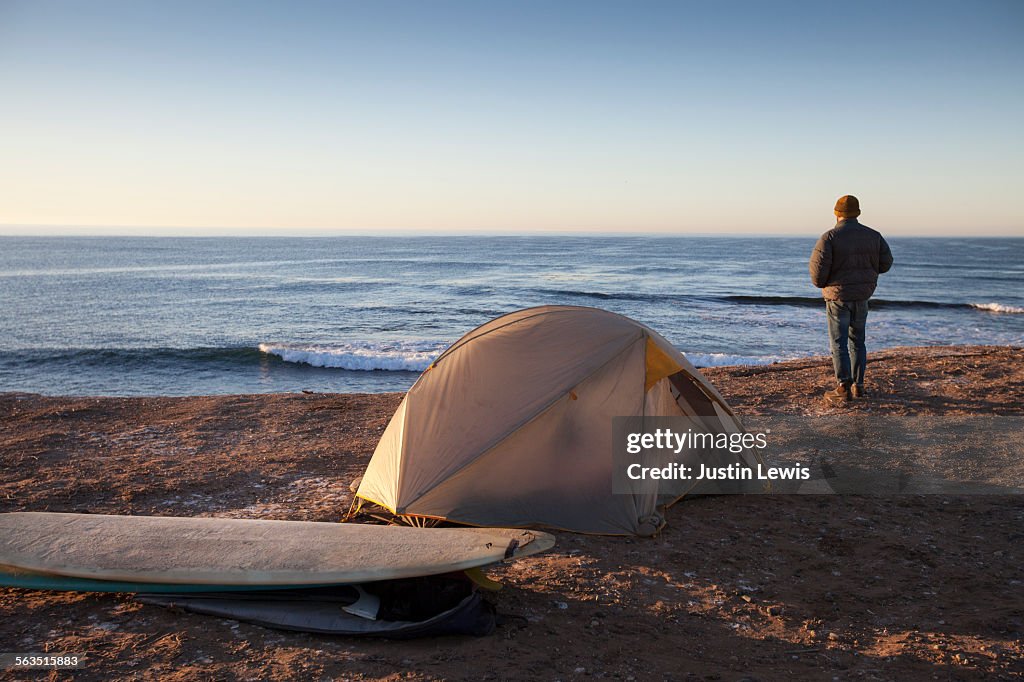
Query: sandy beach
x=236 y=238
x=763 y=587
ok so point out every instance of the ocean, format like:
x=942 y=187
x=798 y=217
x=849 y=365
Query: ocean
x=196 y=316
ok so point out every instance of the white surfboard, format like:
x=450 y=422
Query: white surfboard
x=213 y=551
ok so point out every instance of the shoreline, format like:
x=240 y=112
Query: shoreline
x=883 y=359
x=897 y=587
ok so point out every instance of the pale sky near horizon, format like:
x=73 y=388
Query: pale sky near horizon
x=627 y=117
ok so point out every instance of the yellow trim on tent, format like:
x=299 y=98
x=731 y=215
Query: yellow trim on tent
x=379 y=504
x=659 y=365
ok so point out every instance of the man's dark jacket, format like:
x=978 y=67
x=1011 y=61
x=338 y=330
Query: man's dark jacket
x=847 y=260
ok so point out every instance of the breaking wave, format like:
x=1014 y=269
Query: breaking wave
x=725 y=360
x=998 y=308
x=799 y=301
x=416 y=357
x=392 y=357
x=876 y=303
x=396 y=356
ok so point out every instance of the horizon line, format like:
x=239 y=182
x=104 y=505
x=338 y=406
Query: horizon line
x=163 y=232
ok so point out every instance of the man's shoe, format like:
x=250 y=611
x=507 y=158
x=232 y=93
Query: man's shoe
x=840 y=394
x=859 y=391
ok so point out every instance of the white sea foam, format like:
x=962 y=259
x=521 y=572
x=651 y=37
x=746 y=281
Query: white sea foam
x=411 y=356
x=394 y=357
x=998 y=308
x=725 y=360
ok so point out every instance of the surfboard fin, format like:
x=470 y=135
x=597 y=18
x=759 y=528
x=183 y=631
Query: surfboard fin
x=366 y=606
x=481 y=580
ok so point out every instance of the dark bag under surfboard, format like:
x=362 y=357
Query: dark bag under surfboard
x=401 y=609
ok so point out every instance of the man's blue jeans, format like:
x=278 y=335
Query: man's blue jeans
x=846 y=322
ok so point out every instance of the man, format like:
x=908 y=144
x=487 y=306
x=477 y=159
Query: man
x=845 y=265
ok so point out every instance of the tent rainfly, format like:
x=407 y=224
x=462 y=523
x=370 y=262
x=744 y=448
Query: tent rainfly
x=512 y=425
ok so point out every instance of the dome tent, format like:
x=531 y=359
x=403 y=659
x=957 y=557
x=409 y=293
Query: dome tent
x=512 y=424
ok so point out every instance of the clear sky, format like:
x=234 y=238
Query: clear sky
x=215 y=117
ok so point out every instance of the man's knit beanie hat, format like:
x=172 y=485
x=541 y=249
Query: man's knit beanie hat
x=848 y=206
